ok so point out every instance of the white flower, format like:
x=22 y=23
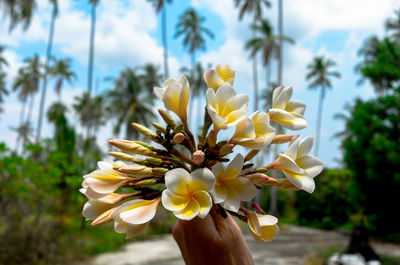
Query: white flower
x=133 y=216
x=229 y=188
x=187 y=194
x=299 y=167
x=225 y=107
x=104 y=181
x=254 y=132
x=222 y=73
x=287 y=113
x=263 y=228
x=175 y=95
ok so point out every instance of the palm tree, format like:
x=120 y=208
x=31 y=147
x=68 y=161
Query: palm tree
x=190 y=26
x=195 y=78
x=129 y=103
x=61 y=71
x=369 y=51
x=94 y=4
x=3 y=89
x=24 y=132
x=150 y=78
x=81 y=107
x=34 y=71
x=393 y=26
x=267 y=43
x=54 y=14
x=319 y=74
x=160 y=5
x=19 y=12
x=254 y=7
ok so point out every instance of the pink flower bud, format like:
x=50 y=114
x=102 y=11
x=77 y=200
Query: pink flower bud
x=198 y=157
x=178 y=138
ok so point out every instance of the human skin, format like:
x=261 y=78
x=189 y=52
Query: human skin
x=214 y=240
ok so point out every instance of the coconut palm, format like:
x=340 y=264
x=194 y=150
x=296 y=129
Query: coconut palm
x=319 y=74
x=392 y=26
x=129 y=103
x=61 y=71
x=33 y=69
x=160 y=6
x=18 y=11
x=267 y=43
x=24 y=134
x=54 y=14
x=150 y=78
x=369 y=52
x=255 y=8
x=190 y=26
x=3 y=89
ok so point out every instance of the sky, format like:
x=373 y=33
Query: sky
x=128 y=34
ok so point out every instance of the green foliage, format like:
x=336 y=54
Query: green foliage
x=372 y=153
x=329 y=206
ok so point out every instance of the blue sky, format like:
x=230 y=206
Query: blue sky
x=128 y=34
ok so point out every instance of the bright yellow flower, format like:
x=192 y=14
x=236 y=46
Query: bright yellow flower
x=175 y=95
x=285 y=112
x=222 y=73
x=187 y=194
x=254 y=132
x=263 y=228
x=229 y=188
x=225 y=107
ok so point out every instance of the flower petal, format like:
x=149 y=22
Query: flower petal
x=205 y=202
x=286 y=163
x=92 y=209
x=311 y=165
x=295 y=106
x=138 y=211
x=200 y=179
x=234 y=168
x=175 y=180
x=173 y=202
x=191 y=210
x=305 y=146
x=218 y=193
x=301 y=181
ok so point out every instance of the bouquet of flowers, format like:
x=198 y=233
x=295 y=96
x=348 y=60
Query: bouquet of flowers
x=189 y=177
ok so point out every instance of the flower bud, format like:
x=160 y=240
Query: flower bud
x=148 y=146
x=212 y=138
x=226 y=149
x=136 y=171
x=159 y=170
x=167 y=118
x=282 y=138
x=131 y=147
x=125 y=157
x=178 y=138
x=159 y=127
x=146 y=132
x=146 y=182
x=198 y=157
x=250 y=155
x=261 y=179
x=154 y=161
x=104 y=217
x=286 y=184
x=178 y=128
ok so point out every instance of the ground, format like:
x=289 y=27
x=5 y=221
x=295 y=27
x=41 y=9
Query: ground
x=294 y=245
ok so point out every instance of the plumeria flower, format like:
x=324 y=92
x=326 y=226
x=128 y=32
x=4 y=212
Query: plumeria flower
x=133 y=216
x=175 y=95
x=222 y=73
x=94 y=208
x=229 y=187
x=263 y=228
x=187 y=194
x=225 y=107
x=254 y=132
x=285 y=112
x=104 y=181
x=299 y=167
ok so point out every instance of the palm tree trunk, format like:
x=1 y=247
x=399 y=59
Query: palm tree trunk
x=273 y=190
x=318 y=133
x=30 y=110
x=21 y=121
x=255 y=78
x=91 y=58
x=44 y=85
x=164 y=39
x=193 y=63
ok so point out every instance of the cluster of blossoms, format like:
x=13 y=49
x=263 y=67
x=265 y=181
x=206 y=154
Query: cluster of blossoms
x=190 y=178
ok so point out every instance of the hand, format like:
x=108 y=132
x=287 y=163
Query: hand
x=214 y=240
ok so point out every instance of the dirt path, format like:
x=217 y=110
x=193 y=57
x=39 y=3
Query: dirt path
x=291 y=247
